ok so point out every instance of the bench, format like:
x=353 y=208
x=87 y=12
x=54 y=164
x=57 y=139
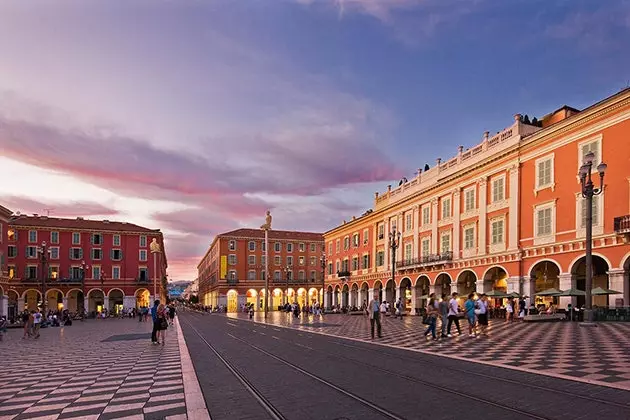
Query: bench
x=544 y=317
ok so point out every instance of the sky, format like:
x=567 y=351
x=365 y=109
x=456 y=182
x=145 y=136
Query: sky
x=196 y=116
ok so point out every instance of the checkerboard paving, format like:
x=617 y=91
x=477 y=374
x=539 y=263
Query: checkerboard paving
x=594 y=354
x=97 y=369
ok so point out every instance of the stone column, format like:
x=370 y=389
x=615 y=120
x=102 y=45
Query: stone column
x=370 y=295
x=434 y=226
x=414 y=297
x=106 y=303
x=326 y=303
x=386 y=249
x=86 y=303
x=513 y=215
x=454 y=287
x=20 y=303
x=566 y=282
x=514 y=284
x=482 y=199
x=530 y=288
x=416 y=231
x=616 y=282
x=64 y=302
x=4 y=306
x=480 y=286
x=433 y=288
x=456 y=228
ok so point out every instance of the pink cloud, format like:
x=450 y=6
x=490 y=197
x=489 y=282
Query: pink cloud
x=65 y=209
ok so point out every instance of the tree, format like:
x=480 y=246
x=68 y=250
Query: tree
x=194 y=299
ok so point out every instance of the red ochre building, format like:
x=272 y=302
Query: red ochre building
x=92 y=264
x=506 y=214
x=232 y=272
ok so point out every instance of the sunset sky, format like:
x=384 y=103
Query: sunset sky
x=196 y=116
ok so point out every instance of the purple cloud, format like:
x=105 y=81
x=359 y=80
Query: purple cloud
x=57 y=209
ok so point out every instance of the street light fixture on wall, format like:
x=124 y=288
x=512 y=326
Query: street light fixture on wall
x=588 y=192
x=394 y=243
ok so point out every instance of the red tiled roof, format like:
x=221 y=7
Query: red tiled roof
x=78 y=224
x=274 y=234
x=5 y=211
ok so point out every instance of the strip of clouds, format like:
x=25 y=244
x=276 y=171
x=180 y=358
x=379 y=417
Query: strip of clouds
x=28 y=205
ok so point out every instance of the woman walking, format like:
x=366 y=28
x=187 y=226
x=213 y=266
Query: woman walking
x=162 y=318
x=431 y=320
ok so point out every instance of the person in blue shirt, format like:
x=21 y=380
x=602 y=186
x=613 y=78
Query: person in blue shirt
x=375 y=315
x=469 y=308
x=156 y=325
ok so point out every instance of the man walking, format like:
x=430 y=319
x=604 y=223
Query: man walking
x=156 y=324
x=443 y=311
x=453 y=315
x=37 y=322
x=375 y=315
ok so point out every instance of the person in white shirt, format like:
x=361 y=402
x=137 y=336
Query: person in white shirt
x=453 y=315
x=37 y=322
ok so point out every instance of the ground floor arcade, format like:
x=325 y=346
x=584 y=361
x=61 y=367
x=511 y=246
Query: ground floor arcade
x=528 y=276
x=234 y=299
x=114 y=300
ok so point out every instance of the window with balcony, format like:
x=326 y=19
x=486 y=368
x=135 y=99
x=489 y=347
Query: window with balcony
x=143 y=241
x=251 y=245
x=232 y=276
x=32 y=236
x=345 y=265
x=469 y=199
x=116 y=240
x=426 y=247
x=276 y=276
x=338 y=266
x=76 y=238
x=143 y=274
x=76 y=253
x=445 y=241
x=313 y=275
x=54 y=237
x=232 y=245
x=251 y=260
x=76 y=273
x=251 y=275
x=355 y=263
x=277 y=247
x=498 y=189
x=289 y=247
x=97 y=254
x=301 y=275
x=31 y=272
x=53 y=272
x=446 y=207
x=408 y=252
x=426 y=215
x=232 y=259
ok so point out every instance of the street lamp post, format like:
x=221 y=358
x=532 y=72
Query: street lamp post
x=588 y=192
x=43 y=253
x=155 y=250
x=83 y=268
x=394 y=243
x=323 y=262
x=287 y=271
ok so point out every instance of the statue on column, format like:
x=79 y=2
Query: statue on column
x=154 y=246
x=268 y=218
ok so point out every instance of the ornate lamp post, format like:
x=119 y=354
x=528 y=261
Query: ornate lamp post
x=83 y=268
x=323 y=262
x=266 y=228
x=155 y=249
x=287 y=271
x=588 y=192
x=394 y=243
x=43 y=255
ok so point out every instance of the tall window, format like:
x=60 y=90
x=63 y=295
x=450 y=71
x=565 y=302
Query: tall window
x=313 y=247
x=426 y=215
x=289 y=247
x=544 y=225
x=544 y=172
x=408 y=252
x=277 y=247
x=54 y=237
x=313 y=260
x=594 y=147
x=32 y=236
x=469 y=199
x=330 y=248
x=366 y=261
x=96 y=272
x=426 y=247
x=251 y=246
x=583 y=208
x=497 y=231
x=232 y=259
x=408 y=221
x=251 y=275
x=301 y=247
x=301 y=260
x=115 y=240
x=355 y=263
x=446 y=208
x=337 y=246
x=54 y=252
x=346 y=243
x=301 y=275
x=143 y=254
x=469 y=237
x=232 y=245
x=380 y=258
x=498 y=189
x=446 y=243
x=366 y=236
x=76 y=238
x=143 y=241
x=116 y=272
x=355 y=240
x=289 y=260
x=251 y=260
x=277 y=260
x=381 y=231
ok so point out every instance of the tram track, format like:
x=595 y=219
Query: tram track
x=271 y=409
x=338 y=340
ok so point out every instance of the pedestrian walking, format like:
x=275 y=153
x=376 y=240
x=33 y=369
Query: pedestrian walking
x=469 y=309
x=26 y=320
x=443 y=313
x=509 y=311
x=156 y=325
x=431 y=319
x=37 y=322
x=399 y=309
x=171 y=313
x=375 y=315
x=162 y=323
x=3 y=327
x=482 y=314
x=453 y=315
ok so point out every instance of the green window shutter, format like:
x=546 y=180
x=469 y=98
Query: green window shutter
x=80 y=253
x=121 y=254
x=71 y=254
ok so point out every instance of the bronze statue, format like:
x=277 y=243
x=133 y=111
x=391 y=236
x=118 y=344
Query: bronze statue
x=154 y=246
x=267 y=225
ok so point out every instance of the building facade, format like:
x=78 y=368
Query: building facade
x=232 y=273
x=506 y=215
x=5 y=216
x=80 y=264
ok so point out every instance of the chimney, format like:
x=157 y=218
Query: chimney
x=35 y=215
x=79 y=218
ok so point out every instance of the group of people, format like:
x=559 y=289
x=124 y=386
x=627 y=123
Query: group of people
x=448 y=311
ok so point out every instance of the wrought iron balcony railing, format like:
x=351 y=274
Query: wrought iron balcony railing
x=622 y=224
x=343 y=273
x=427 y=260
x=232 y=281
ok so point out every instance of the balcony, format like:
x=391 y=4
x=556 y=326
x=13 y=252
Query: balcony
x=622 y=224
x=232 y=281
x=426 y=261
x=341 y=274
